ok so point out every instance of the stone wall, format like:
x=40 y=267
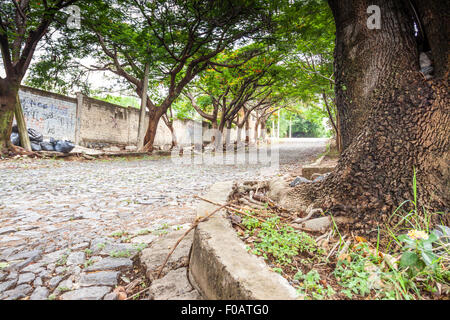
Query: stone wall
x=94 y=123
x=103 y=122
x=51 y=114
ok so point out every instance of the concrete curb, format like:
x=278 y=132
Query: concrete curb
x=221 y=268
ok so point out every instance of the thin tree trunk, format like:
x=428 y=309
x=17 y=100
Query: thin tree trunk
x=239 y=135
x=247 y=131
x=263 y=130
x=256 y=128
x=219 y=135
x=278 y=126
x=333 y=123
x=141 y=130
x=215 y=129
x=169 y=124
x=22 y=125
x=228 y=133
x=290 y=128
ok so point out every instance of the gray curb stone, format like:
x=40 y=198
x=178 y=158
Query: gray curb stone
x=220 y=266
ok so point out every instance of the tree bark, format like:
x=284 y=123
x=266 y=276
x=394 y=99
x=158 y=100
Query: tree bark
x=263 y=129
x=228 y=133
x=434 y=16
x=140 y=138
x=8 y=98
x=214 y=128
x=256 y=135
x=150 y=134
x=169 y=123
x=247 y=132
x=360 y=66
x=406 y=128
x=239 y=135
x=22 y=126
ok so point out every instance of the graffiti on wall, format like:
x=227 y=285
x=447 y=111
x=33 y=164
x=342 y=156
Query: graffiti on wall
x=52 y=117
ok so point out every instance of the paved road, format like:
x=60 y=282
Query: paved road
x=61 y=219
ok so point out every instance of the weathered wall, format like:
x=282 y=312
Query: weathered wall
x=51 y=114
x=95 y=123
x=107 y=123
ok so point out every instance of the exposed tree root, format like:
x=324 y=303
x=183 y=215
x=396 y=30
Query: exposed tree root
x=11 y=151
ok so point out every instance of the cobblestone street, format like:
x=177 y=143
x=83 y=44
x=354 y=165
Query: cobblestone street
x=60 y=220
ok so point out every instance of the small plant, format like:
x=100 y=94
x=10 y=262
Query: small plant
x=143 y=232
x=161 y=230
x=280 y=240
x=118 y=234
x=88 y=251
x=101 y=246
x=278 y=270
x=353 y=277
x=425 y=253
x=311 y=286
x=88 y=263
x=121 y=254
x=63 y=260
x=126 y=239
x=51 y=297
x=140 y=246
x=418 y=251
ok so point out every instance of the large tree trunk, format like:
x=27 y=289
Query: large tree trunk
x=406 y=129
x=151 y=131
x=8 y=96
x=366 y=58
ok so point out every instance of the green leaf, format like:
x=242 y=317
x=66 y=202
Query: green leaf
x=428 y=257
x=409 y=259
x=405 y=238
x=432 y=238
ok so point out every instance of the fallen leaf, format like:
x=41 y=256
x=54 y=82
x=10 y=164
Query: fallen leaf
x=360 y=239
x=121 y=294
x=344 y=256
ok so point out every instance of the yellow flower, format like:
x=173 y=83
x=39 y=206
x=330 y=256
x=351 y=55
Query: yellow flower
x=416 y=235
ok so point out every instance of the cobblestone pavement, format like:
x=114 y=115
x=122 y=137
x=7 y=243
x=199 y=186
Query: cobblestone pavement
x=68 y=229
